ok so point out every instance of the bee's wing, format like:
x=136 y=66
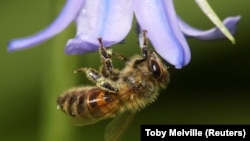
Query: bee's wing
x=88 y=119
x=83 y=122
x=118 y=126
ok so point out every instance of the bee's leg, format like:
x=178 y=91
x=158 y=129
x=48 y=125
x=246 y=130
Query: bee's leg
x=80 y=70
x=120 y=56
x=92 y=74
x=115 y=73
x=144 y=50
x=97 y=78
x=107 y=67
x=100 y=80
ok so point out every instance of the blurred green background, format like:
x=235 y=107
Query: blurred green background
x=213 y=89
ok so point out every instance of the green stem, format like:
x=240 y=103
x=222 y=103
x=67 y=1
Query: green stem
x=58 y=76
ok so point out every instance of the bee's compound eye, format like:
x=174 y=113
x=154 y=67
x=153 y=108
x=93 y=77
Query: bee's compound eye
x=155 y=68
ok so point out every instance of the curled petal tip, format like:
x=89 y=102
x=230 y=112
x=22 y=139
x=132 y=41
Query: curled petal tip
x=75 y=46
x=11 y=47
x=19 y=44
x=66 y=16
x=209 y=12
x=211 y=34
x=178 y=66
x=231 y=23
x=234 y=19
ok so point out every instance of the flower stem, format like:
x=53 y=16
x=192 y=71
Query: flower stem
x=58 y=76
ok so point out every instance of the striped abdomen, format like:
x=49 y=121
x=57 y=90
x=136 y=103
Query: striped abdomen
x=88 y=103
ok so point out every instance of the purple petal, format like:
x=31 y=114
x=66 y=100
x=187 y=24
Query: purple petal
x=67 y=15
x=111 y=20
x=159 y=19
x=211 y=34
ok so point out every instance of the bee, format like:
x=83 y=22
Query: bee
x=116 y=91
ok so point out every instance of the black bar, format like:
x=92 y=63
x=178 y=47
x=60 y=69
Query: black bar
x=195 y=132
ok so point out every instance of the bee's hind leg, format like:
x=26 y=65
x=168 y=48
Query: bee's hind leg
x=97 y=78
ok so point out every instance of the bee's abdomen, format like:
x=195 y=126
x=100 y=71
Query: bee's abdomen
x=84 y=102
x=73 y=102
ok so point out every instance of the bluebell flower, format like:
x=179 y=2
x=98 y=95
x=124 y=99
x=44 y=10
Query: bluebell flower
x=112 y=20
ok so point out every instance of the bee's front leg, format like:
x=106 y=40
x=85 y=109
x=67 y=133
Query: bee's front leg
x=107 y=67
x=144 y=50
x=100 y=81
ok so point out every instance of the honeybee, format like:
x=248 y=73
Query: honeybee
x=118 y=93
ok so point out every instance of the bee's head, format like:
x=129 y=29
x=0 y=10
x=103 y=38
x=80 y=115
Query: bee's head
x=158 y=69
